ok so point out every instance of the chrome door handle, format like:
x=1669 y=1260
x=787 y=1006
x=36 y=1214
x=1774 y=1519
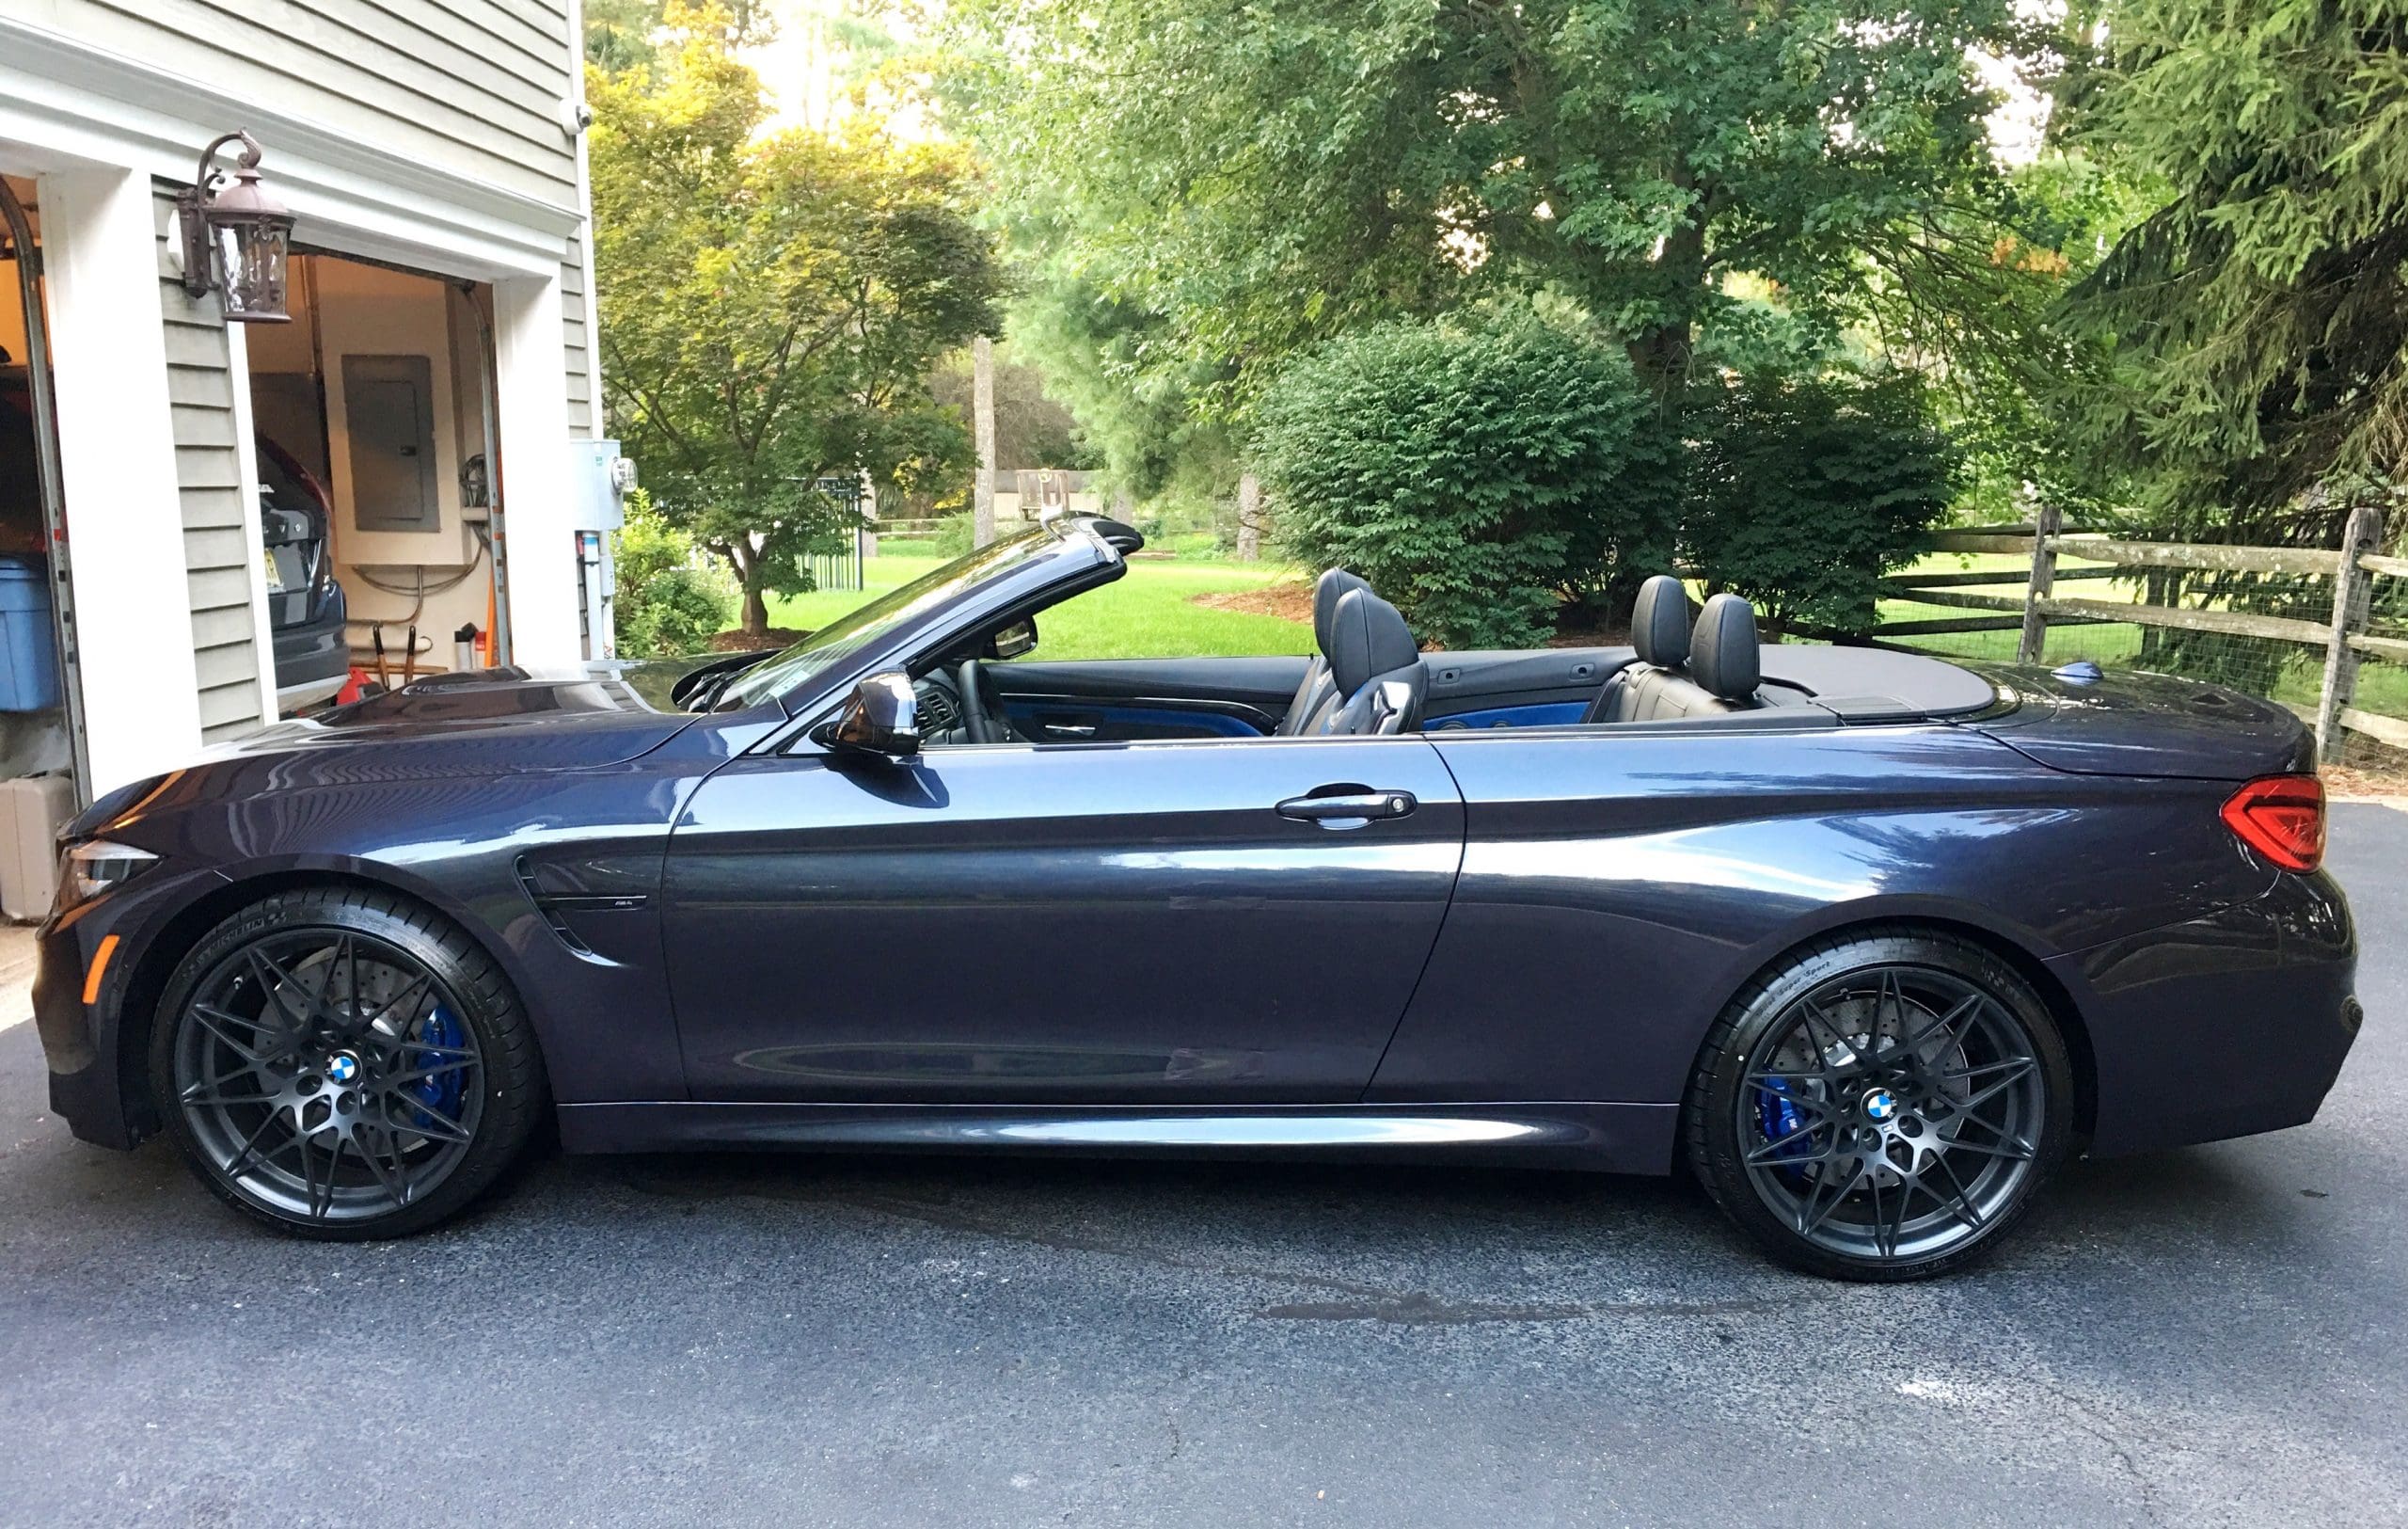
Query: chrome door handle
x=1069 y=729
x=1351 y=810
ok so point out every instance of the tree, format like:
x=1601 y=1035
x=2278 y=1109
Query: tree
x=1803 y=492
x=771 y=304
x=621 y=34
x=2013 y=398
x=1265 y=173
x=1032 y=428
x=1139 y=407
x=2260 y=314
x=1468 y=471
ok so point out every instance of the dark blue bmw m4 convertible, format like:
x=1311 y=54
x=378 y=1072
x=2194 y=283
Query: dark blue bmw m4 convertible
x=1869 y=942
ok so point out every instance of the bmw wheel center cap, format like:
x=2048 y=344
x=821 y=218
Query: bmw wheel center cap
x=1880 y=1105
x=342 y=1067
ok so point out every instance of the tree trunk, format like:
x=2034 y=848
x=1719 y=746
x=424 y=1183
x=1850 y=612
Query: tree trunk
x=752 y=576
x=1249 y=518
x=982 y=415
x=1661 y=355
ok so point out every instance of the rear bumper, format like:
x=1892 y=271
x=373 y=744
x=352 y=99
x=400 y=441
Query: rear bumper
x=2222 y=1027
x=311 y=662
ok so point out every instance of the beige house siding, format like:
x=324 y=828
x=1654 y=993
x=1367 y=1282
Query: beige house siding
x=584 y=409
x=473 y=86
x=218 y=540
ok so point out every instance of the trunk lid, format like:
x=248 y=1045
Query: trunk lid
x=2078 y=719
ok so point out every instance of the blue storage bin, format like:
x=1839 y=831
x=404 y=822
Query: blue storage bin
x=29 y=647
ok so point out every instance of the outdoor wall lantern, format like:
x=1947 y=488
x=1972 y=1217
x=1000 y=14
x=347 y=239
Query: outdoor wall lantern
x=236 y=237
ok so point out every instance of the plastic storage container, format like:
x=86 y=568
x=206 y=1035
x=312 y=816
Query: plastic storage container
x=32 y=811
x=29 y=647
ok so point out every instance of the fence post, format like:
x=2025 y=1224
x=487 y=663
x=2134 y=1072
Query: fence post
x=2350 y=600
x=2043 y=577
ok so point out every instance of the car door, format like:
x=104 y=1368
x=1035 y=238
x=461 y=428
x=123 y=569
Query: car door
x=1200 y=922
x=1128 y=699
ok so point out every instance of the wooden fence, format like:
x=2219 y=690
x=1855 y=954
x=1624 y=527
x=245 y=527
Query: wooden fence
x=2343 y=638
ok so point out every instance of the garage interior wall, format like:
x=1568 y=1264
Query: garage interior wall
x=12 y=323
x=436 y=578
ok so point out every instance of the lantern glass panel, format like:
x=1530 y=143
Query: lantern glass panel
x=251 y=255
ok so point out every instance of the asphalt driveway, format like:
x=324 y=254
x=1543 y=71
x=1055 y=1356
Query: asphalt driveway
x=2212 y=1335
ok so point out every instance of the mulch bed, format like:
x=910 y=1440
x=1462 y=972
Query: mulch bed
x=1293 y=600
x=739 y=641
x=1289 y=600
x=2366 y=777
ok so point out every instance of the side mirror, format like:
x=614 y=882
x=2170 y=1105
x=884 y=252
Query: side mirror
x=1012 y=640
x=881 y=717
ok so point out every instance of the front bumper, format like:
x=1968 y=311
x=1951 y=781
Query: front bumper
x=78 y=1041
x=2222 y=1027
x=95 y=1061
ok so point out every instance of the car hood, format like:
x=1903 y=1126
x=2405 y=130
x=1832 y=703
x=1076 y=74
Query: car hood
x=501 y=719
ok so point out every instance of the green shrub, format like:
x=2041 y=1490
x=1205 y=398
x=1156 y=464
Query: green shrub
x=1802 y=493
x=669 y=601
x=953 y=537
x=1473 y=475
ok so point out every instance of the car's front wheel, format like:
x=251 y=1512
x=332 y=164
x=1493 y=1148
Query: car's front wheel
x=1881 y=1107
x=343 y=1063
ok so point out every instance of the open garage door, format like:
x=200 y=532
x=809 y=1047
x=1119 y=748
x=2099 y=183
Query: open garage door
x=41 y=736
x=375 y=413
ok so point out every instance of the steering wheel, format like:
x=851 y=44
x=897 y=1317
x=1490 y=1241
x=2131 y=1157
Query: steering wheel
x=980 y=706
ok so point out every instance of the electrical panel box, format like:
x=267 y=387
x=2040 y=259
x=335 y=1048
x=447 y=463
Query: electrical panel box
x=389 y=414
x=599 y=478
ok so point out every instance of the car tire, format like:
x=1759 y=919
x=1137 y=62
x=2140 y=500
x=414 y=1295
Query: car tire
x=1882 y=1105
x=309 y=1086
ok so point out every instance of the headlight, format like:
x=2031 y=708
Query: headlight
x=93 y=866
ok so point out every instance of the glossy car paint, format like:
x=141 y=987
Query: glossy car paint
x=723 y=934
x=1659 y=864
x=1049 y=898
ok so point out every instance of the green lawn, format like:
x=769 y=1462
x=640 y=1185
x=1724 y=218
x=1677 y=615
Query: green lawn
x=1148 y=613
x=2105 y=643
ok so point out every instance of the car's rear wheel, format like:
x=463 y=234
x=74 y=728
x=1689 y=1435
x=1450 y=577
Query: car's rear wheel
x=343 y=1063
x=1881 y=1107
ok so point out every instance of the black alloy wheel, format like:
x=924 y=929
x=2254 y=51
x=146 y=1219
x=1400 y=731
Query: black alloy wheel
x=1881 y=1107
x=344 y=1064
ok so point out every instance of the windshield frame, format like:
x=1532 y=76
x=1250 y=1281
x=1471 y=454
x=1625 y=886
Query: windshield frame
x=1026 y=571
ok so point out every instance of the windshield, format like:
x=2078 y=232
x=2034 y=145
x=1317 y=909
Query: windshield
x=863 y=627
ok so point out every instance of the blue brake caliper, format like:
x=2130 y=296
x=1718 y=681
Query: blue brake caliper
x=443 y=1090
x=1778 y=1116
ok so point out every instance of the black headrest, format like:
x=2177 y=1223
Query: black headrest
x=1329 y=590
x=1722 y=650
x=1368 y=638
x=1659 y=623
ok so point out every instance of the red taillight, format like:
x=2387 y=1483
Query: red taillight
x=2282 y=817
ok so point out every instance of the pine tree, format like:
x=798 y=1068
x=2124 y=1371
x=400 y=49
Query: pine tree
x=2259 y=316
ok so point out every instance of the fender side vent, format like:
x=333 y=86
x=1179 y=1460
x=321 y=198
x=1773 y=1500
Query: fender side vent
x=550 y=908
